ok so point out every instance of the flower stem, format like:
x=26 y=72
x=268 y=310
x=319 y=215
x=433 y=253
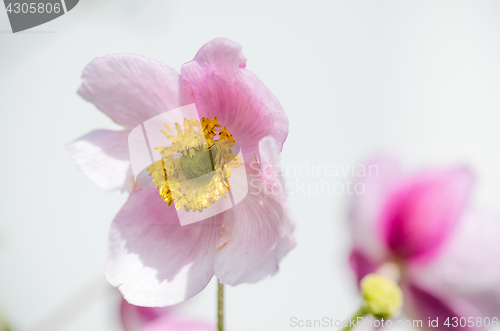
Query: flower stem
x=220 y=306
x=360 y=313
x=3 y=325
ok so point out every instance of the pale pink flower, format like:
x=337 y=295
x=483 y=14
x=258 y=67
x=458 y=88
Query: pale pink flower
x=447 y=252
x=152 y=259
x=136 y=318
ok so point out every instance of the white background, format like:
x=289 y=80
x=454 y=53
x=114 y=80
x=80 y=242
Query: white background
x=420 y=79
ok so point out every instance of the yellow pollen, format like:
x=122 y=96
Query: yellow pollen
x=195 y=167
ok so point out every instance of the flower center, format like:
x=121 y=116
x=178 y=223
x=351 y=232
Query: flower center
x=195 y=167
x=198 y=166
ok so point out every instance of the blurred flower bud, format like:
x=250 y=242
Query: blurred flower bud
x=383 y=297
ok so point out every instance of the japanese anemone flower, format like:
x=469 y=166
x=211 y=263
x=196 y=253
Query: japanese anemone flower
x=136 y=318
x=446 y=253
x=152 y=259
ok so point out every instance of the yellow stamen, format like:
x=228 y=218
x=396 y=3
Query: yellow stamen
x=196 y=165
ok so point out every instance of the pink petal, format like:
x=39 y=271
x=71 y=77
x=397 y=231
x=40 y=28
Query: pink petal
x=169 y=323
x=153 y=260
x=102 y=156
x=420 y=303
x=131 y=88
x=135 y=317
x=468 y=266
x=361 y=264
x=380 y=175
x=223 y=87
x=258 y=232
x=422 y=212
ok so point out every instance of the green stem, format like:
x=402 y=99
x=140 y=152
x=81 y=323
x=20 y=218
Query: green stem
x=220 y=306
x=3 y=325
x=360 y=313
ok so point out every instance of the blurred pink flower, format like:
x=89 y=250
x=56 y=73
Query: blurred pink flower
x=136 y=318
x=152 y=259
x=422 y=223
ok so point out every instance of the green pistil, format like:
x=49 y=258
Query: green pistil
x=197 y=165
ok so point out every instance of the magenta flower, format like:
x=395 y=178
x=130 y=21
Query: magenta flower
x=444 y=250
x=136 y=318
x=152 y=259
